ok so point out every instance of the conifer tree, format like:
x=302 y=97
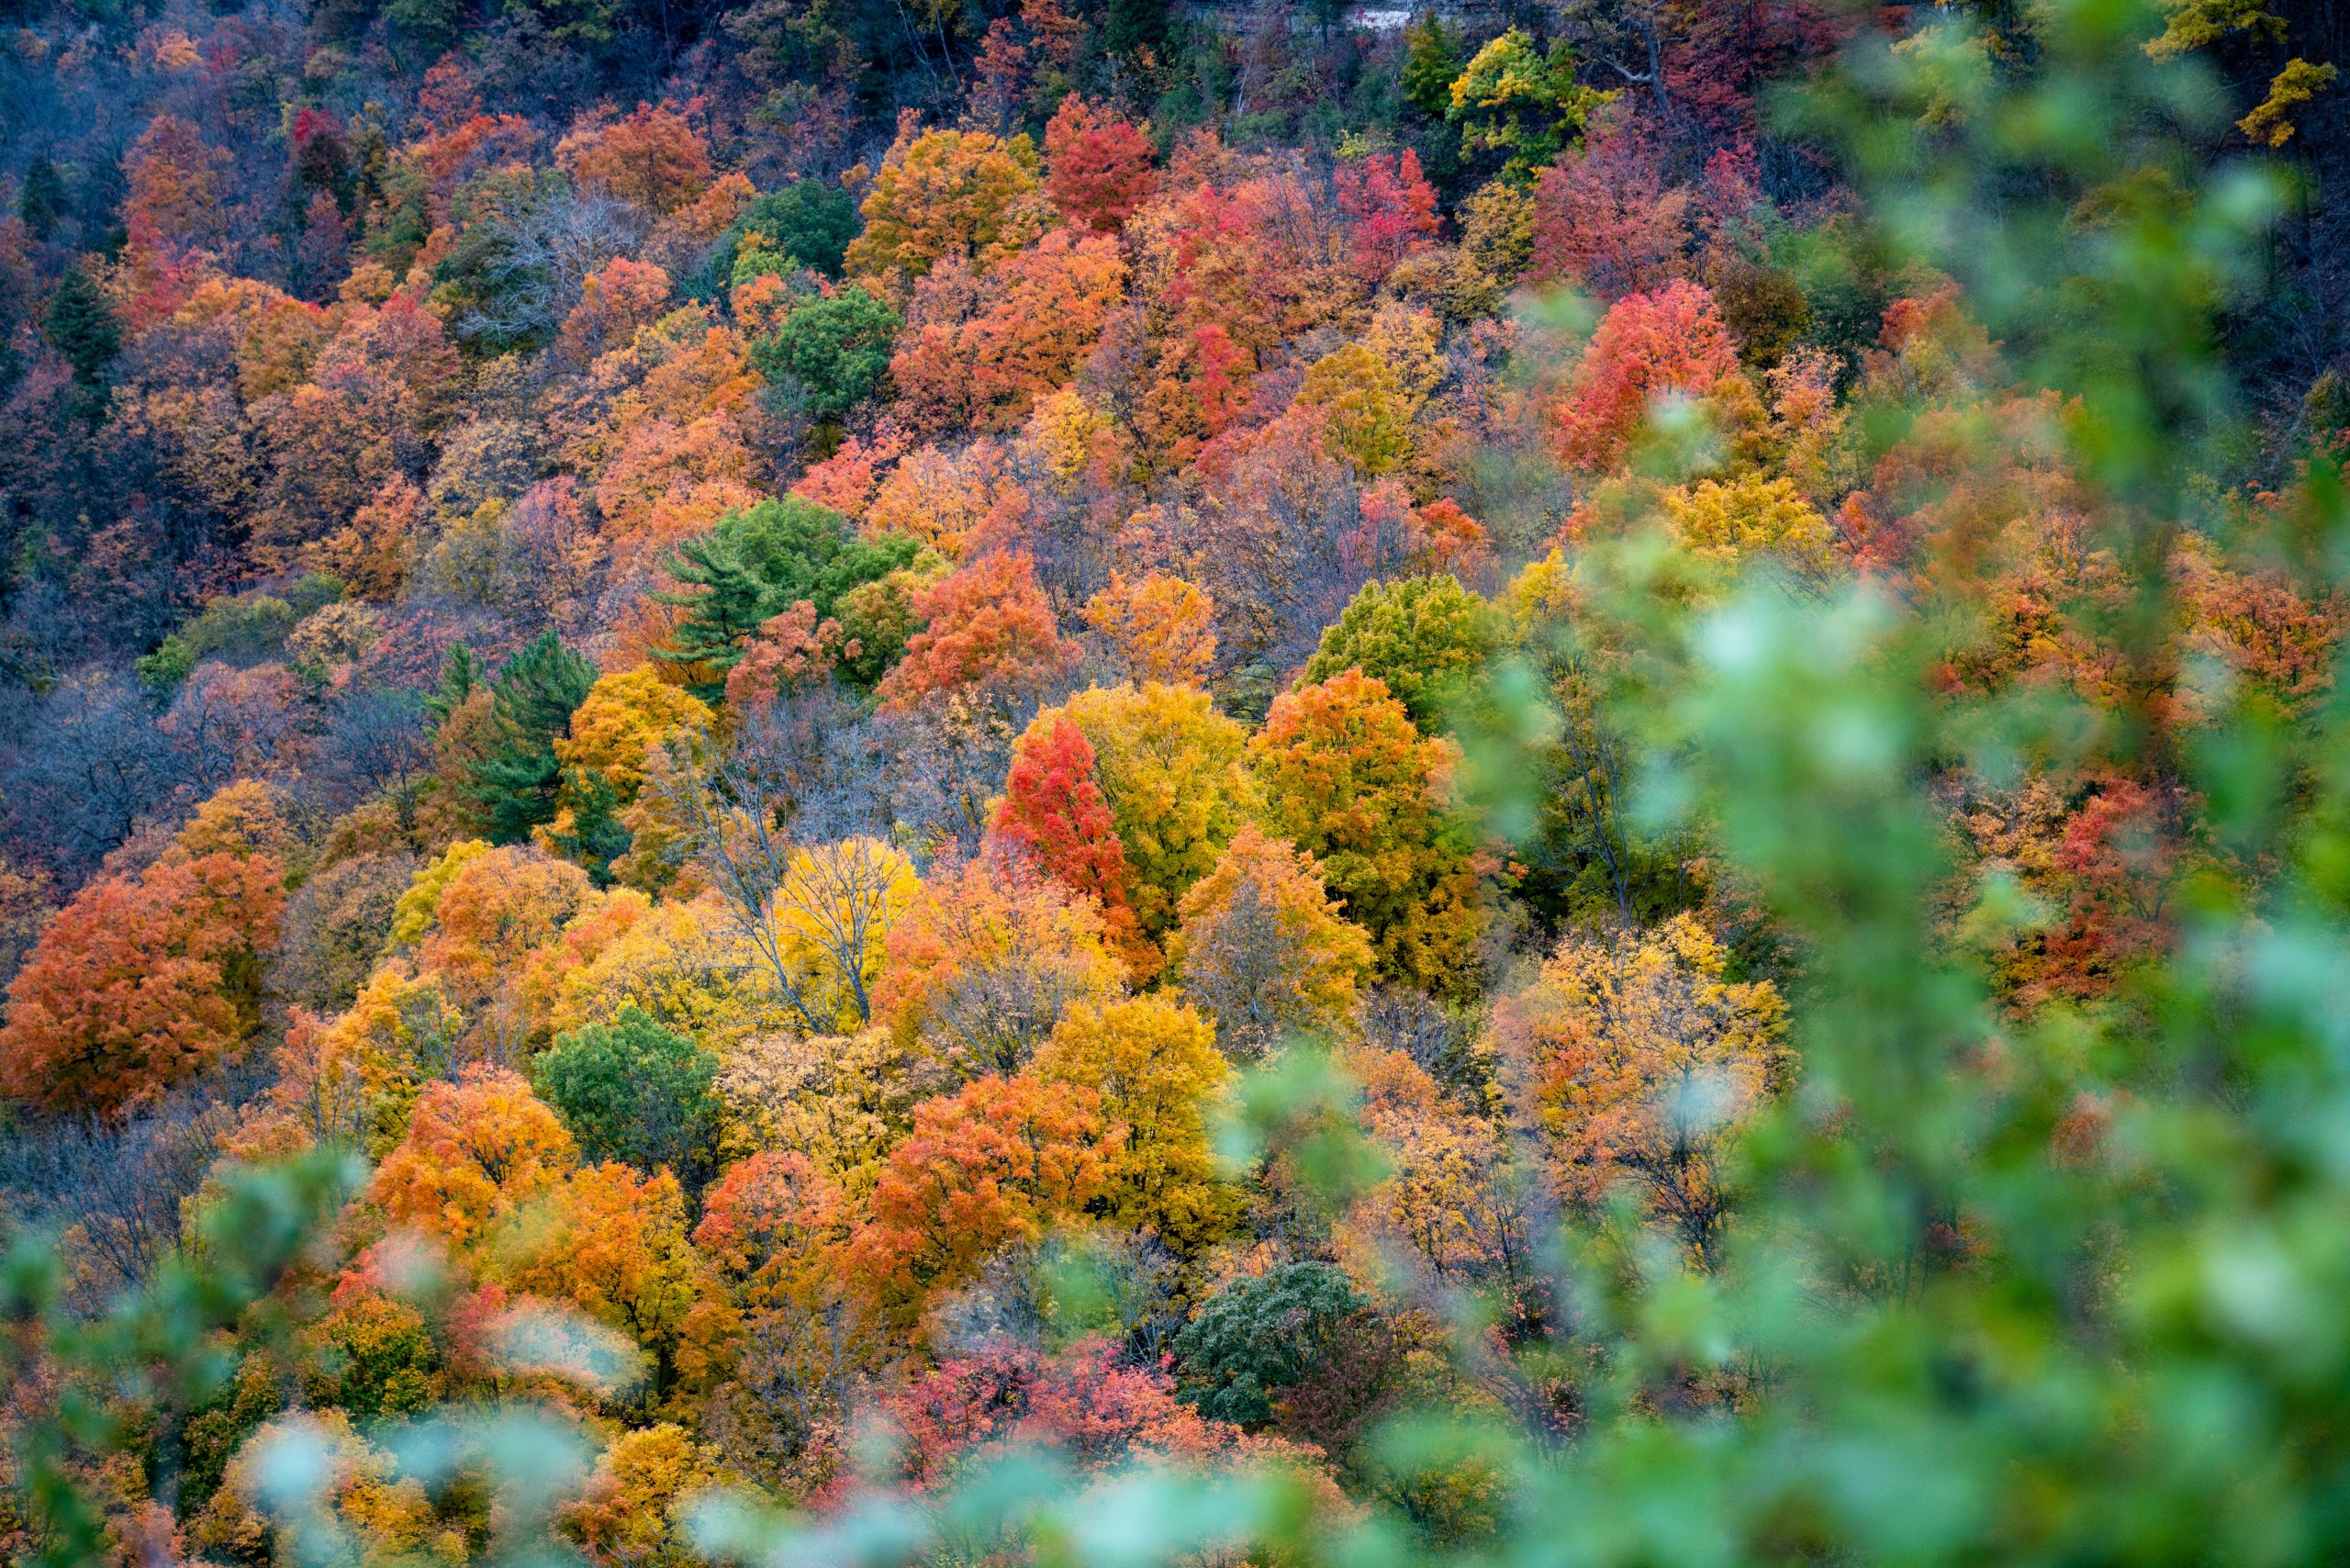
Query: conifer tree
x=81 y=326
x=757 y=562
x=514 y=786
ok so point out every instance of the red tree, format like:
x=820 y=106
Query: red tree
x=1098 y=167
x=987 y=627
x=1648 y=347
x=1392 y=208
x=1054 y=811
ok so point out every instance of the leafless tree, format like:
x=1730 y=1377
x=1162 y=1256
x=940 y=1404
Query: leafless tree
x=539 y=259
x=791 y=827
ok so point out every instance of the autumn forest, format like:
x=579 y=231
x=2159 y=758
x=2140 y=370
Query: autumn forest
x=1069 y=781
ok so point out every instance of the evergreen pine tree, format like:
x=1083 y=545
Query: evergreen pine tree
x=515 y=786
x=81 y=326
x=757 y=562
x=597 y=836
x=459 y=673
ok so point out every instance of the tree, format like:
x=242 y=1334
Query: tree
x=948 y=194
x=1391 y=209
x=628 y=718
x=756 y=564
x=829 y=355
x=1098 y=167
x=1345 y=777
x=492 y=911
x=1649 y=347
x=1638 y=1061
x=986 y=630
x=478 y=1153
x=979 y=351
x=634 y=1092
x=833 y=912
x=1135 y=30
x=810 y=221
x=1264 y=950
x=630 y=722
x=42 y=201
x=1170 y=769
x=1603 y=218
x=1053 y=812
x=1086 y=1402
x=650 y=157
x=141 y=982
x=1527 y=106
x=1751 y=518
x=1366 y=417
x=1263 y=1335
x=1154 y=1065
x=633 y=1510
x=1159 y=628
x=996 y=1162
x=176 y=195
x=514 y=786
x=1428 y=639
x=614 y=1244
x=986 y=961
x=82 y=328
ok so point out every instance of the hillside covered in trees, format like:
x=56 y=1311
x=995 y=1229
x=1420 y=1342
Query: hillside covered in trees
x=1552 y=783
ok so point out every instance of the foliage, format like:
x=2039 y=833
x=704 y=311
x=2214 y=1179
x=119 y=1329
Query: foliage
x=1168 y=767
x=1264 y=950
x=1513 y=98
x=1346 y=779
x=1428 y=639
x=634 y=1092
x=830 y=353
x=1639 y=1063
x=943 y=194
x=141 y=982
x=756 y=564
x=1154 y=1065
x=515 y=784
x=1261 y=1336
x=996 y=1162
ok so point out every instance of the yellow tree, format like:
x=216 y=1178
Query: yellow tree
x=1347 y=778
x=1154 y=1065
x=830 y=918
x=1171 y=768
x=1637 y=1061
x=947 y=193
x=1158 y=627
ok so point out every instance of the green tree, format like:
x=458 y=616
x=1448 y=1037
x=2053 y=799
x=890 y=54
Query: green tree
x=1429 y=639
x=1432 y=62
x=460 y=672
x=755 y=564
x=1521 y=102
x=1263 y=1335
x=515 y=786
x=634 y=1092
x=812 y=221
x=829 y=355
x=81 y=326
